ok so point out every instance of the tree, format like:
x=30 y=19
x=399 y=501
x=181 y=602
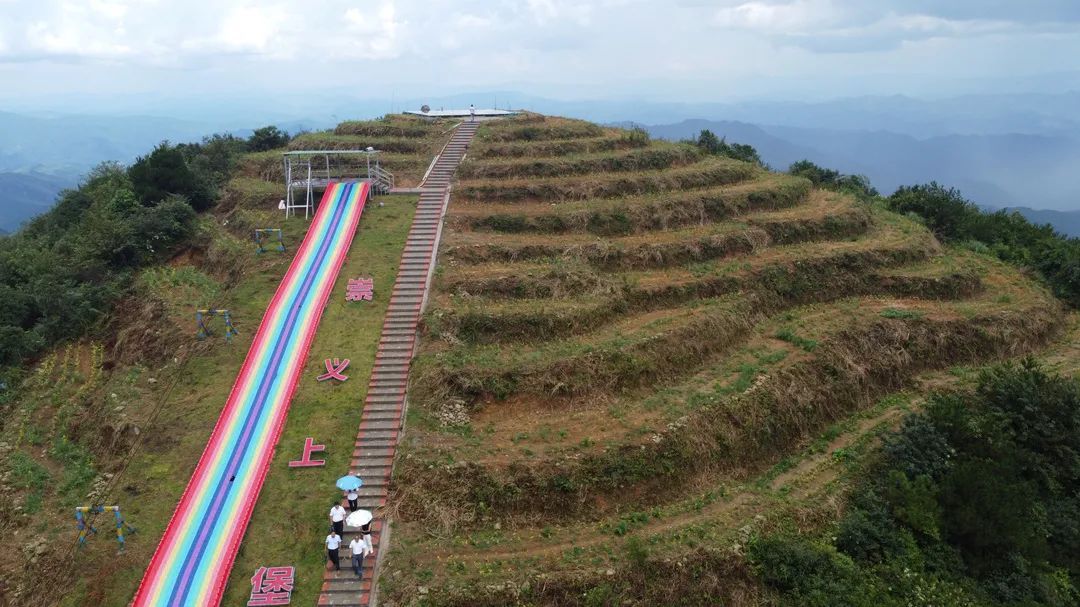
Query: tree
x=214 y=158
x=1008 y=235
x=163 y=173
x=267 y=138
x=857 y=185
x=61 y=273
x=708 y=141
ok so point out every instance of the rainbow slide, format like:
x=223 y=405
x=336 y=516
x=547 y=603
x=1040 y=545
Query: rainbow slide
x=193 y=559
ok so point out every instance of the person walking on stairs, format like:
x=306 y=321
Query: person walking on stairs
x=333 y=542
x=472 y=113
x=365 y=532
x=337 y=518
x=359 y=549
x=352 y=496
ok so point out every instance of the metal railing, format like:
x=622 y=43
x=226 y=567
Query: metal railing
x=382 y=180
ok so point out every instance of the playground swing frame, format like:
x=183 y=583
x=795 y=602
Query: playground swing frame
x=301 y=176
x=202 y=317
x=266 y=234
x=86 y=529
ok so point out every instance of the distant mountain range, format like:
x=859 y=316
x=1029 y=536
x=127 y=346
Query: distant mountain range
x=40 y=155
x=1001 y=170
x=1066 y=222
x=25 y=195
x=1007 y=150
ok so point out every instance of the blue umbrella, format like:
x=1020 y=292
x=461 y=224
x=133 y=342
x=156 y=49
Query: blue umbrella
x=348 y=483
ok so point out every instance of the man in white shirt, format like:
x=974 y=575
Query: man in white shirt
x=472 y=113
x=337 y=518
x=359 y=549
x=352 y=496
x=333 y=541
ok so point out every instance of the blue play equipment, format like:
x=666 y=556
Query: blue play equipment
x=267 y=234
x=202 y=318
x=85 y=528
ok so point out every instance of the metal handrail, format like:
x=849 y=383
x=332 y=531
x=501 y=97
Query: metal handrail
x=430 y=167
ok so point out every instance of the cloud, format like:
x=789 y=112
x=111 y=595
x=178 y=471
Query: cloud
x=594 y=45
x=548 y=11
x=801 y=15
x=859 y=26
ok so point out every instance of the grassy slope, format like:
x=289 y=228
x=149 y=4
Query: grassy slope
x=150 y=384
x=277 y=535
x=289 y=522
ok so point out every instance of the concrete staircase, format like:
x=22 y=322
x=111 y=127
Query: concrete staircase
x=451 y=156
x=384 y=409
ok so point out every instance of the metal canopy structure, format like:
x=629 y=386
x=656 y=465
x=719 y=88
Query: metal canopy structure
x=465 y=113
x=308 y=171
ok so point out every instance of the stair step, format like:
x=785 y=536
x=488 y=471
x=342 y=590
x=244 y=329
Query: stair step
x=378 y=424
x=379 y=433
x=380 y=415
x=337 y=599
x=375 y=491
x=374 y=450
x=374 y=401
x=372 y=470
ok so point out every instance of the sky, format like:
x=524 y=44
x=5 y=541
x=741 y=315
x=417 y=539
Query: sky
x=66 y=54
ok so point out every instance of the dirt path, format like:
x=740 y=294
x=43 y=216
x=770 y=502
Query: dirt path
x=811 y=475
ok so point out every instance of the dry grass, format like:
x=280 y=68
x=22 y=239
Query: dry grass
x=628 y=215
x=712 y=172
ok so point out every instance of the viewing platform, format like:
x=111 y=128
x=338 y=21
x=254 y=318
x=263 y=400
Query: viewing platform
x=465 y=113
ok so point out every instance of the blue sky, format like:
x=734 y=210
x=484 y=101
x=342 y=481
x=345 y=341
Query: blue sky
x=60 y=54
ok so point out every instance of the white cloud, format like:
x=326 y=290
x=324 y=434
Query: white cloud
x=600 y=44
x=548 y=11
x=369 y=34
x=853 y=26
x=794 y=16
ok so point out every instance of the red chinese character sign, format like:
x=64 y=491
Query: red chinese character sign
x=306 y=461
x=271 y=586
x=360 y=289
x=334 y=370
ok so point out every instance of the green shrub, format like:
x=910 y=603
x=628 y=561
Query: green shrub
x=900 y=314
x=856 y=185
x=60 y=273
x=789 y=336
x=811 y=574
x=709 y=142
x=1007 y=235
x=267 y=138
x=164 y=173
x=973 y=502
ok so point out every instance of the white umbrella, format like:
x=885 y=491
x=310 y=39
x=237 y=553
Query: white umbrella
x=358 y=518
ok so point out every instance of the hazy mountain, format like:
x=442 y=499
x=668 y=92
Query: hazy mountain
x=1002 y=150
x=70 y=145
x=1066 y=222
x=41 y=155
x=23 y=196
x=1002 y=170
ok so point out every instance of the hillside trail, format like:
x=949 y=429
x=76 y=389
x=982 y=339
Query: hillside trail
x=809 y=477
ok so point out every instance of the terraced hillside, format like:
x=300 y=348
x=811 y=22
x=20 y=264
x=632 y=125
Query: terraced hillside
x=406 y=147
x=626 y=342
